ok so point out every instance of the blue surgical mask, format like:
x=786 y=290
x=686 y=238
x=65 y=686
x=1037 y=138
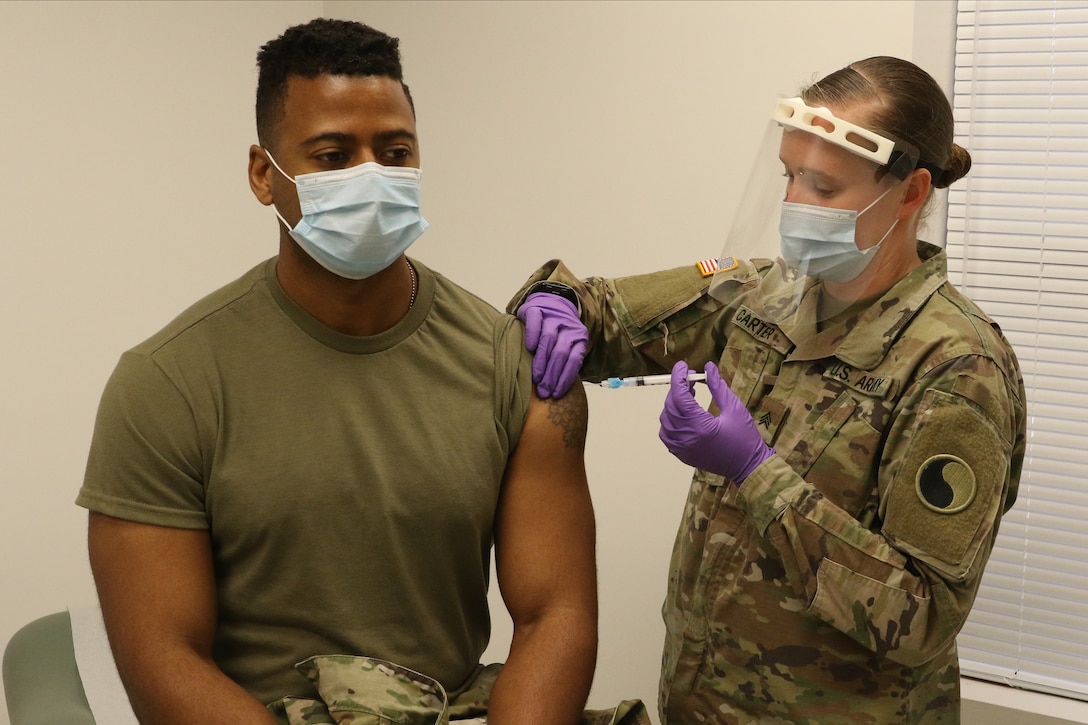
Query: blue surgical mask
x=819 y=241
x=357 y=221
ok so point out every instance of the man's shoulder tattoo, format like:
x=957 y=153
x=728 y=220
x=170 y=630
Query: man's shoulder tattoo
x=571 y=413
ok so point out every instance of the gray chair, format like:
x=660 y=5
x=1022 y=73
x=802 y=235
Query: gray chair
x=41 y=682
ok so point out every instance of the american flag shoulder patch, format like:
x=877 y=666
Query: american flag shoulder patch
x=707 y=267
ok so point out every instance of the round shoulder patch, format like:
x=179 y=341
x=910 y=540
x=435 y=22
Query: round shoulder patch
x=945 y=484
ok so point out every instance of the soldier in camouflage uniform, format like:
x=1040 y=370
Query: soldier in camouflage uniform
x=828 y=585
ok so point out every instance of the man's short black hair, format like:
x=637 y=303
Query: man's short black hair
x=320 y=47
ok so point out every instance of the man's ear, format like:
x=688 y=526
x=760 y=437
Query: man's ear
x=919 y=185
x=260 y=174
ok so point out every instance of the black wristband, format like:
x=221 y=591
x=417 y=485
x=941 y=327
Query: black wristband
x=555 y=288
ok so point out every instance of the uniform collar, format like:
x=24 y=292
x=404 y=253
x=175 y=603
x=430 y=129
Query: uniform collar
x=860 y=340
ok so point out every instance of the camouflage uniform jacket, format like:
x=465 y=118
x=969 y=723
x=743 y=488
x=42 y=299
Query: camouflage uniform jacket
x=830 y=587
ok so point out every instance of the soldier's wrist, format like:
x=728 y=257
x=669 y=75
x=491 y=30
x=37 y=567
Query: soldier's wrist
x=547 y=286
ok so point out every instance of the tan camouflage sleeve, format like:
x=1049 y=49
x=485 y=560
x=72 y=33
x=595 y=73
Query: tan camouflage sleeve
x=641 y=324
x=904 y=588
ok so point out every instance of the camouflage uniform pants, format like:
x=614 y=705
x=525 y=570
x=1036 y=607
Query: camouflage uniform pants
x=367 y=691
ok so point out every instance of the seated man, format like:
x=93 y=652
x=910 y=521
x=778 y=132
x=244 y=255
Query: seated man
x=316 y=459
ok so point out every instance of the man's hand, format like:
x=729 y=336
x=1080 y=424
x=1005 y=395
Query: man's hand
x=727 y=444
x=557 y=337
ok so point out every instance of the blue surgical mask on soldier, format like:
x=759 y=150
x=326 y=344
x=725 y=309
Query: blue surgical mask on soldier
x=819 y=241
x=357 y=221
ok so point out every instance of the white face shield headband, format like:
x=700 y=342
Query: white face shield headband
x=894 y=157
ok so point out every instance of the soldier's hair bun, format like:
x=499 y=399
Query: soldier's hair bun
x=959 y=163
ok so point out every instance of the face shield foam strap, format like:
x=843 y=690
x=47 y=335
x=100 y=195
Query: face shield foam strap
x=895 y=157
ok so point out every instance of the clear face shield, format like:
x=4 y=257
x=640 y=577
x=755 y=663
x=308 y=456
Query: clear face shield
x=824 y=194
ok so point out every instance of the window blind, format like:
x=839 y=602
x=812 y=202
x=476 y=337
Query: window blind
x=1018 y=245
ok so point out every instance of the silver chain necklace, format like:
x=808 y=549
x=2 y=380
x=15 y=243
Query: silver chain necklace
x=412 y=272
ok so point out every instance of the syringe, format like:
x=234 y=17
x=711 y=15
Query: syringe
x=640 y=380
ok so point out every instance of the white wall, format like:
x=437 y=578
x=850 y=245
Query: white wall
x=612 y=135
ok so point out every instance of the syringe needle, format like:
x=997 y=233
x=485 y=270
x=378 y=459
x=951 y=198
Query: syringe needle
x=640 y=380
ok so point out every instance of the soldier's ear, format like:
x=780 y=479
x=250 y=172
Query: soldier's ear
x=260 y=174
x=919 y=185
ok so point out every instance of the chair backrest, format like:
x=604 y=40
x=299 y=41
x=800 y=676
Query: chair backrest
x=41 y=681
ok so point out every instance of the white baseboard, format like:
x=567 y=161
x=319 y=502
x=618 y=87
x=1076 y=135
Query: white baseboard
x=1026 y=701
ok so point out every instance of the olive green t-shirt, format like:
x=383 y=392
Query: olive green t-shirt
x=348 y=484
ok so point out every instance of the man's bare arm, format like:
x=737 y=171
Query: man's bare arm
x=157 y=590
x=546 y=564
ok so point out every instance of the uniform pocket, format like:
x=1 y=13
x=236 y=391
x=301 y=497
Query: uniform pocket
x=836 y=450
x=702 y=567
x=748 y=364
x=945 y=501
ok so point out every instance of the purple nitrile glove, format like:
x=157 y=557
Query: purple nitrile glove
x=728 y=444
x=557 y=338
